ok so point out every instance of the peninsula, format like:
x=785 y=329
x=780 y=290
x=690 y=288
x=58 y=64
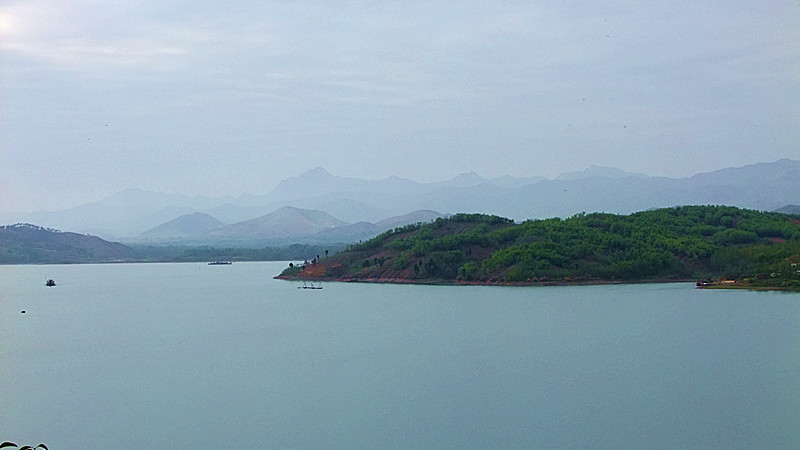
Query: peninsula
x=710 y=243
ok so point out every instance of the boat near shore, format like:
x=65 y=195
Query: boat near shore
x=219 y=263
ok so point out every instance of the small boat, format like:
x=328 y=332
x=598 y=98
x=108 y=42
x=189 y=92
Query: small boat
x=50 y=283
x=310 y=286
x=219 y=263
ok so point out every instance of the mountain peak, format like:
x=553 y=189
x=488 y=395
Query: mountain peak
x=315 y=172
x=284 y=222
x=192 y=224
x=470 y=177
x=288 y=209
x=462 y=180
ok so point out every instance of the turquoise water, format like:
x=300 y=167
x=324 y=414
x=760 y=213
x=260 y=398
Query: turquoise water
x=198 y=356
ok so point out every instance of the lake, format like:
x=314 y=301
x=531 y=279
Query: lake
x=199 y=356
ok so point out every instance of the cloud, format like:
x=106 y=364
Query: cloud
x=48 y=33
x=387 y=54
x=546 y=86
x=407 y=54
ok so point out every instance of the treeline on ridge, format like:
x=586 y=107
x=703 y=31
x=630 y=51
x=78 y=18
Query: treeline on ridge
x=685 y=242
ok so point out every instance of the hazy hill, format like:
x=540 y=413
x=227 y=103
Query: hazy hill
x=346 y=209
x=424 y=215
x=283 y=223
x=346 y=234
x=232 y=213
x=365 y=230
x=187 y=226
x=753 y=173
x=509 y=182
x=316 y=181
x=789 y=209
x=599 y=172
x=25 y=243
x=466 y=179
x=127 y=213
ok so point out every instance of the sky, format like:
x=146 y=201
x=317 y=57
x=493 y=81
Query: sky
x=226 y=98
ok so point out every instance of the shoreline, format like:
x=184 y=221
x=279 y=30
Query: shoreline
x=405 y=281
x=429 y=282
x=752 y=287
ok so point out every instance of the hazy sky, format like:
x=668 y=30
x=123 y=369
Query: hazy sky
x=216 y=98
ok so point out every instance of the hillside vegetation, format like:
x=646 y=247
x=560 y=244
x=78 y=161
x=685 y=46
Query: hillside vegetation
x=689 y=242
x=26 y=243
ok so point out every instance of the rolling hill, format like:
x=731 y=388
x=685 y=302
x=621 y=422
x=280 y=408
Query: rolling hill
x=284 y=223
x=192 y=225
x=680 y=243
x=26 y=243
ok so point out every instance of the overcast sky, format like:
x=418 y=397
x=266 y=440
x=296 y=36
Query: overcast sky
x=216 y=98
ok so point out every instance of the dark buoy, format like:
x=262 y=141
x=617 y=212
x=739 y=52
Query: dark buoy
x=23 y=311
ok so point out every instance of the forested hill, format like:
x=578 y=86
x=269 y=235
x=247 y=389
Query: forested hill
x=688 y=242
x=26 y=243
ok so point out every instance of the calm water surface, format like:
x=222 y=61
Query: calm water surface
x=198 y=356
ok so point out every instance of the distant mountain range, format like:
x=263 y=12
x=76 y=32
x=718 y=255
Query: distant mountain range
x=317 y=206
x=280 y=227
